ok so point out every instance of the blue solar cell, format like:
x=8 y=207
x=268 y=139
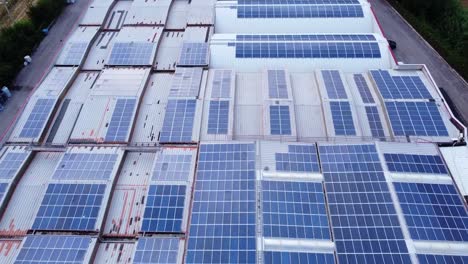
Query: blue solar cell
x=442 y=259
x=218 y=117
x=415 y=119
x=223 y=222
x=433 y=211
x=415 y=163
x=300 y=158
x=363 y=217
x=84 y=166
x=298 y=49
x=178 y=121
x=299 y=11
x=334 y=85
x=172 y=167
x=400 y=87
x=281 y=257
x=70 y=207
x=280 y=121
x=304 y=37
x=342 y=119
x=194 y=54
x=294 y=210
x=277 y=87
x=374 y=122
x=119 y=125
x=132 y=53
x=37 y=118
x=10 y=164
x=156 y=250
x=46 y=249
x=221 y=87
x=164 y=209
x=363 y=88
x=295 y=2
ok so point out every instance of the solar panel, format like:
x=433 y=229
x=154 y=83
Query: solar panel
x=363 y=88
x=433 y=211
x=295 y=2
x=194 y=54
x=294 y=210
x=223 y=222
x=364 y=221
x=121 y=120
x=75 y=53
x=3 y=189
x=10 y=164
x=304 y=37
x=334 y=85
x=307 y=50
x=442 y=259
x=37 y=118
x=280 y=120
x=280 y=257
x=84 y=166
x=70 y=207
x=221 y=84
x=299 y=11
x=156 y=250
x=342 y=119
x=374 y=122
x=172 y=167
x=277 y=87
x=132 y=53
x=415 y=119
x=164 y=209
x=186 y=82
x=400 y=87
x=178 y=121
x=54 y=249
x=218 y=117
x=300 y=158
x=415 y=163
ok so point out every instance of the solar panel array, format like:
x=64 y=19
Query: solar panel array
x=304 y=37
x=299 y=11
x=280 y=120
x=186 y=82
x=342 y=118
x=400 y=87
x=363 y=218
x=194 y=54
x=277 y=86
x=295 y=2
x=172 y=167
x=280 y=257
x=54 y=249
x=307 y=50
x=164 y=209
x=121 y=120
x=223 y=221
x=294 y=210
x=11 y=163
x=76 y=53
x=415 y=163
x=132 y=53
x=443 y=259
x=178 y=121
x=221 y=87
x=70 y=207
x=300 y=158
x=218 y=117
x=156 y=250
x=363 y=88
x=415 y=119
x=37 y=118
x=85 y=166
x=374 y=122
x=433 y=211
x=334 y=84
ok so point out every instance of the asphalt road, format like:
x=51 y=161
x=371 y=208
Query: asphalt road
x=42 y=60
x=412 y=48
